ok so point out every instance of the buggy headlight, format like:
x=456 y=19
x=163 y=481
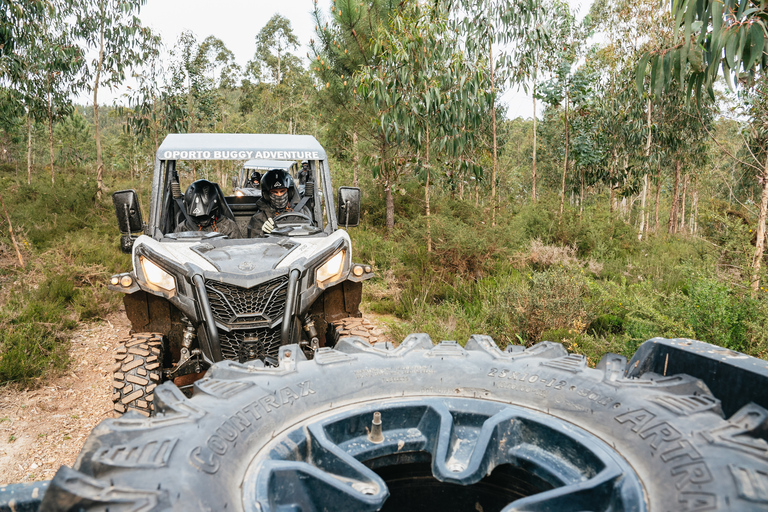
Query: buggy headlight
x=331 y=269
x=157 y=276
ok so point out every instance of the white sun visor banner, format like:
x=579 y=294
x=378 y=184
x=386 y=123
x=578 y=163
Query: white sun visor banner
x=240 y=155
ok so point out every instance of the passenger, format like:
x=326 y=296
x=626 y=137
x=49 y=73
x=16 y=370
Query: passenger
x=278 y=196
x=304 y=173
x=201 y=201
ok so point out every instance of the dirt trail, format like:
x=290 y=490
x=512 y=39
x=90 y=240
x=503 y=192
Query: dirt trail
x=42 y=429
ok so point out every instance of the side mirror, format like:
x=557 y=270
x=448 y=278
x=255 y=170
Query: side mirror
x=349 y=206
x=128 y=217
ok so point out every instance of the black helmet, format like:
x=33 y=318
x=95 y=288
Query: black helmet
x=277 y=178
x=202 y=202
x=255 y=177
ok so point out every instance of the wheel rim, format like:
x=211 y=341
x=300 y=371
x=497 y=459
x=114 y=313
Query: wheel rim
x=440 y=454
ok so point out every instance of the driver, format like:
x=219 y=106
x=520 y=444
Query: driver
x=201 y=201
x=278 y=196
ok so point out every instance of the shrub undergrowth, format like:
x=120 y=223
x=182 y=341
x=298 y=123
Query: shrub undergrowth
x=587 y=281
x=69 y=244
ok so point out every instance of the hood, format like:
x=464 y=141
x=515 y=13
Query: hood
x=246 y=258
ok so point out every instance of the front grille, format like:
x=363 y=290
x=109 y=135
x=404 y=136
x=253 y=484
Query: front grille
x=250 y=344
x=234 y=305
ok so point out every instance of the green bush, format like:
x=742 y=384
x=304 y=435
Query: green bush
x=716 y=313
x=30 y=351
x=70 y=245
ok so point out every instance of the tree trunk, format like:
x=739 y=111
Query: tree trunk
x=693 y=224
x=50 y=133
x=426 y=198
x=648 y=141
x=760 y=244
x=611 y=174
x=565 y=164
x=656 y=206
x=10 y=231
x=29 y=149
x=495 y=149
x=533 y=171
x=154 y=125
x=99 y=163
x=355 y=157
x=641 y=231
x=672 y=224
x=390 y=207
x=627 y=179
x=682 y=204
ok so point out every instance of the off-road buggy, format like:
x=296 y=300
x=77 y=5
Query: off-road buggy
x=194 y=298
x=244 y=185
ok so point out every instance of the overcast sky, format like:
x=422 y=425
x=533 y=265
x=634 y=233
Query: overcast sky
x=236 y=23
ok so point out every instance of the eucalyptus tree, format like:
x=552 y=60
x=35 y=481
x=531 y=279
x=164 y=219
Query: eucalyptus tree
x=551 y=22
x=273 y=61
x=21 y=22
x=713 y=38
x=152 y=108
x=277 y=82
x=273 y=56
x=74 y=138
x=113 y=30
x=220 y=63
x=626 y=27
x=757 y=148
x=12 y=125
x=682 y=137
x=342 y=46
x=46 y=77
x=496 y=31
x=570 y=89
x=427 y=93
x=38 y=61
x=190 y=85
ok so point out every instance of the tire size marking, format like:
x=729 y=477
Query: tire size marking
x=206 y=458
x=525 y=381
x=687 y=468
x=394 y=374
x=527 y=377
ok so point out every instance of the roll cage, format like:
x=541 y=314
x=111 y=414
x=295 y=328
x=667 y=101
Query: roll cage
x=164 y=211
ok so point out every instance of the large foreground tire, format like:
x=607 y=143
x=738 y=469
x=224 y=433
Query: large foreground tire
x=137 y=372
x=470 y=428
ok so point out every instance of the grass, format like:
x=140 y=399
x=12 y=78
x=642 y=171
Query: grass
x=70 y=246
x=586 y=282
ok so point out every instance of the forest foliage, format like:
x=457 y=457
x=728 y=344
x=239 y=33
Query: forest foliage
x=630 y=207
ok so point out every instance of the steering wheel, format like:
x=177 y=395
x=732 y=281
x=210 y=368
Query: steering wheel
x=290 y=218
x=294 y=224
